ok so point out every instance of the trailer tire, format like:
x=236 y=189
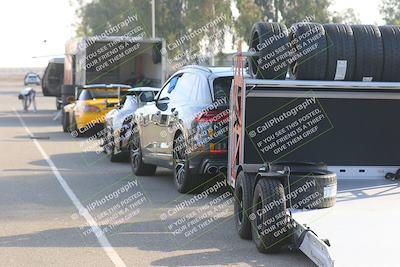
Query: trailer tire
x=391 y=52
x=369 y=53
x=308 y=43
x=313 y=189
x=276 y=49
x=243 y=201
x=270 y=228
x=341 y=46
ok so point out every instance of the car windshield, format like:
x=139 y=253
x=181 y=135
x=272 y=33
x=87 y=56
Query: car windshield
x=103 y=93
x=222 y=87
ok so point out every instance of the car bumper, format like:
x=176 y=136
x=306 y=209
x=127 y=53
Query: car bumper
x=208 y=164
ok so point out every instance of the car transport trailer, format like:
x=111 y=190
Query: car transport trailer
x=348 y=125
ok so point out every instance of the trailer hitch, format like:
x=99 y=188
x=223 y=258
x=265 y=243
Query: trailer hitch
x=316 y=249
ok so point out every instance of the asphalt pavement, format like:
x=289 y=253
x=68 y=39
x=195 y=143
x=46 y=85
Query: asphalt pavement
x=57 y=192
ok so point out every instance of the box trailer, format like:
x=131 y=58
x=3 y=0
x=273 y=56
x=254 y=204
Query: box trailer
x=348 y=125
x=113 y=60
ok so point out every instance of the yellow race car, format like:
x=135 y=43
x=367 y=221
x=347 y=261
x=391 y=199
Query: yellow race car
x=93 y=102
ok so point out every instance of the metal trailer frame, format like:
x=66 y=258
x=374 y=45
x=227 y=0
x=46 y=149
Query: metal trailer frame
x=303 y=238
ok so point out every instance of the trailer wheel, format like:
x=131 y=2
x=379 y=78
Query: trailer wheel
x=391 y=51
x=242 y=204
x=308 y=41
x=313 y=190
x=369 y=53
x=341 y=46
x=270 y=40
x=269 y=220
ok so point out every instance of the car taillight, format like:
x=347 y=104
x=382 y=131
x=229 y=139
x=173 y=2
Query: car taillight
x=218 y=148
x=91 y=109
x=213 y=116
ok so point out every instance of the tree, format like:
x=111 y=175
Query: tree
x=390 y=9
x=347 y=16
x=249 y=13
x=174 y=19
x=284 y=11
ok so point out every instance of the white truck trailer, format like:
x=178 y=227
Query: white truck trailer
x=132 y=61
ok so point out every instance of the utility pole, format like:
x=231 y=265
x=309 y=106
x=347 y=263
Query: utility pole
x=153 y=18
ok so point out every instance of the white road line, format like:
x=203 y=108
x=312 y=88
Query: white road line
x=104 y=243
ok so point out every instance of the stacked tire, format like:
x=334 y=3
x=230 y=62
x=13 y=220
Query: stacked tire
x=391 y=53
x=369 y=53
x=269 y=43
x=341 y=52
x=309 y=60
x=328 y=52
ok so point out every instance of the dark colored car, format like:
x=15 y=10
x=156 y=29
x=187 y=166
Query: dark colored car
x=185 y=127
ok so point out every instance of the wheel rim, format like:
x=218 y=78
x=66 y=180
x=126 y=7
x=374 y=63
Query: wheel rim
x=135 y=151
x=109 y=143
x=179 y=163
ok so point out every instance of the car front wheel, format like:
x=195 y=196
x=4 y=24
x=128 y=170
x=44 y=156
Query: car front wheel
x=135 y=157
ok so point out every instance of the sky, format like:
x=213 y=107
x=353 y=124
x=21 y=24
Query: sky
x=35 y=30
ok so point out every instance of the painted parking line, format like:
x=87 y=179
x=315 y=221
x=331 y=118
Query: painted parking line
x=103 y=241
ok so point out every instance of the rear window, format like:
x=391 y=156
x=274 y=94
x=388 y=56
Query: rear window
x=99 y=93
x=222 y=88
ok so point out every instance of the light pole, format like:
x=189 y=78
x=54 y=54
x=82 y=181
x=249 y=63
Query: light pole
x=153 y=18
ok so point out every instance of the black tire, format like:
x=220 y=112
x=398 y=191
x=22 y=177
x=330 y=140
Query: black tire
x=184 y=180
x=308 y=42
x=341 y=46
x=75 y=132
x=65 y=121
x=391 y=51
x=369 y=53
x=267 y=39
x=313 y=190
x=136 y=159
x=110 y=147
x=243 y=202
x=269 y=232
x=302 y=166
